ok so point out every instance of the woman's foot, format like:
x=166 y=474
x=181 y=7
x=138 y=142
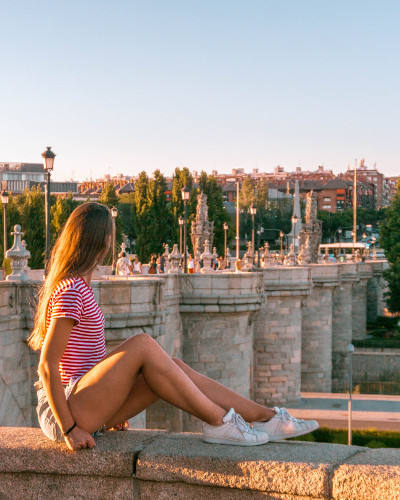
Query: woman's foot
x=234 y=430
x=283 y=425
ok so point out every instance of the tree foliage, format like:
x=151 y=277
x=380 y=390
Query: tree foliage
x=216 y=211
x=59 y=213
x=143 y=217
x=108 y=196
x=160 y=226
x=390 y=241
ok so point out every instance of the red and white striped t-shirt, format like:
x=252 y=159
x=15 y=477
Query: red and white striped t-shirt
x=73 y=298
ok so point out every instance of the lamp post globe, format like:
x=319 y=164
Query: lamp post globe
x=48 y=157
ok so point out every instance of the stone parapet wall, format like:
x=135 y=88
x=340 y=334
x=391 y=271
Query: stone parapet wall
x=148 y=465
x=371 y=363
x=265 y=334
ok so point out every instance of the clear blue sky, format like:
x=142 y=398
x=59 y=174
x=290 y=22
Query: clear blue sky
x=123 y=86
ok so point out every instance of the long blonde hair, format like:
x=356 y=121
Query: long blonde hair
x=76 y=252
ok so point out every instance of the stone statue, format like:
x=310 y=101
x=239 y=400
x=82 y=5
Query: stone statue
x=310 y=236
x=202 y=228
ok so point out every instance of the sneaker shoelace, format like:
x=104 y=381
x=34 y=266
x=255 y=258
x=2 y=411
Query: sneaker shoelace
x=241 y=424
x=286 y=416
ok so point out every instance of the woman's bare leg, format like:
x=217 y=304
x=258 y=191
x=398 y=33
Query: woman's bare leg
x=139 y=398
x=102 y=391
x=226 y=398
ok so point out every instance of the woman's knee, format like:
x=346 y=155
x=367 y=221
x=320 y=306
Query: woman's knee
x=141 y=340
x=179 y=362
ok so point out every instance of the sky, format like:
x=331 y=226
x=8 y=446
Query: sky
x=122 y=86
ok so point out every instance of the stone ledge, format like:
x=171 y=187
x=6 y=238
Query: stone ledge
x=154 y=464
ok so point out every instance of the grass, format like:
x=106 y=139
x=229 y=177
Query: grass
x=370 y=438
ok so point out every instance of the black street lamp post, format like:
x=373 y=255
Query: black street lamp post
x=48 y=156
x=281 y=235
x=4 y=200
x=259 y=233
x=185 y=198
x=114 y=214
x=225 y=231
x=181 y=221
x=253 y=211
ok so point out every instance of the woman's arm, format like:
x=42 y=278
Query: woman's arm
x=52 y=351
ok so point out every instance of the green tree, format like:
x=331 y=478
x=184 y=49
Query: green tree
x=108 y=196
x=160 y=217
x=127 y=213
x=247 y=198
x=144 y=237
x=31 y=207
x=390 y=241
x=59 y=214
x=217 y=213
x=181 y=178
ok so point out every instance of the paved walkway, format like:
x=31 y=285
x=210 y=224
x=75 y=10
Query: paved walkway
x=368 y=411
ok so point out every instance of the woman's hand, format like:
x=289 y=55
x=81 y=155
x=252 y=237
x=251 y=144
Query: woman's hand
x=78 y=439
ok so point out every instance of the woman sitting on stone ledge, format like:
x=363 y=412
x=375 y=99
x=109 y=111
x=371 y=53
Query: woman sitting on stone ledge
x=82 y=390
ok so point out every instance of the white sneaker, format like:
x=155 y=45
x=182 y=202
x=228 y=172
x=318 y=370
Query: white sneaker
x=284 y=426
x=235 y=431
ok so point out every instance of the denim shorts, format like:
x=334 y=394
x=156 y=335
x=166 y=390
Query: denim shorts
x=47 y=420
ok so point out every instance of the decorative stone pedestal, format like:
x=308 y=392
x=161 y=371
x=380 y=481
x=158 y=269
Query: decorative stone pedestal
x=19 y=256
x=217 y=338
x=342 y=326
x=277 y=337
x=359 y=311
x=316 y=349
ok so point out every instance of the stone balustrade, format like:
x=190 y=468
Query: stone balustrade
x=148 y=465
x=266 y=334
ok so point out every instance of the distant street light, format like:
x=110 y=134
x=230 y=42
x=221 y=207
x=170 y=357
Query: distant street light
x=4 y=200
x=48 y=156
x=294 y=222
x=185 y=198
x=253 y=211
x=258 y=246
x=181 y=221
x=281 y=235
x=350 y=350
x=114 y=214
x=225 y=231
x=353 y=233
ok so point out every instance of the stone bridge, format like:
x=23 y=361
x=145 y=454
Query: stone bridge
x=267 y=334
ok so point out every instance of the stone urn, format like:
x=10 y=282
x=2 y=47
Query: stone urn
x=326 y=257
x=19 y=257
x=174 y=259
x=267 y=258
x=206 y=257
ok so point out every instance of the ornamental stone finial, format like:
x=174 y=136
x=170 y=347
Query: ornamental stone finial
x=19 y=257
x=166 y=255
x=206 y=257
x=174 y=258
